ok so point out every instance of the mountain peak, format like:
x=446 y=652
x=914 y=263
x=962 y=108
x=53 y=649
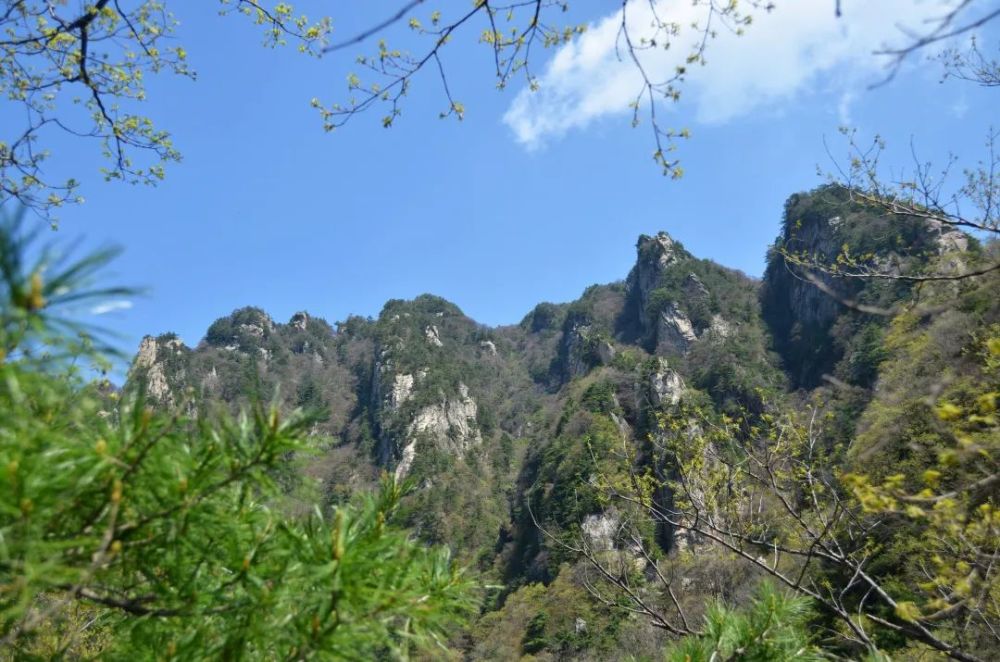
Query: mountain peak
x=659 y=251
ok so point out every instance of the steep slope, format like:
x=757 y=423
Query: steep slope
x=816 y=333
x=425 y=392
x=514 y=434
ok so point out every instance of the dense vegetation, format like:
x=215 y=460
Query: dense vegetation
x=690 y=463
x=132 y=533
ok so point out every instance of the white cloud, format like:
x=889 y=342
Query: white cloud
x=110 y=307
x=844 y=107
x=798 y=47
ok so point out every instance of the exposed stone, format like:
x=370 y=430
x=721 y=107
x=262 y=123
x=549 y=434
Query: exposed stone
x=382 y=368
x=579 y=625
x=147 y=353
x=801 y=315
x=402 y=389
x=300 y=321
x=665 y=385
x=432 y=336
x=489 y=347
x=798 y=312
x=254 y=330
x=948 y=239
x=407 y=455
x=599 y=531
x=681 y=542
x=720 y=327
x=674 y=331
x=575 y=361
x=582 y=348
x=449 y=424
x=655 y=254
x=156 y=381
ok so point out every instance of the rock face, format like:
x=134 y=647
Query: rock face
x=665 y=385
x=529 y=422
x=720 y=327
x=402 y=388
x=582 y=348
x=674 y=331
x=156 y=380
x=574 y=349
x=602 y=533
x=451 y=422
x=655 y=254
x=812 y=330
x=808 y=304
x=161 y=363
x=449 y=425
x=299 y=320
x=416 y=403
x=799 y=314
x=246 y=358
x=600 y=529
x=252 y=330
x=433 y=337
x=952 y=245
x=663 y=325
x=694 y=288
x=948 y=239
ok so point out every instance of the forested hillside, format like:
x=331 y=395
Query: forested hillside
x=789 y=451
x=690 y=463
x=672 y=457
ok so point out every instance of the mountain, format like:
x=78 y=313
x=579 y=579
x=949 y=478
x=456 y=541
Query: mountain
x=513 y=434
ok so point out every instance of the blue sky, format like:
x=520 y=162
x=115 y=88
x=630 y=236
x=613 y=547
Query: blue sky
x=529 y=199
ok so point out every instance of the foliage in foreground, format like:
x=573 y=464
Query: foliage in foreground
x=772 y=627
x=131 y=533
x=890 y=528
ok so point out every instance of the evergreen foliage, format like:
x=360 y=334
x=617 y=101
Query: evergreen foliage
x=772 y=627
x=620 y=499
x=166 y=531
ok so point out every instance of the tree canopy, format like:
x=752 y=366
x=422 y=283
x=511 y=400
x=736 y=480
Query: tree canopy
x=140 y=533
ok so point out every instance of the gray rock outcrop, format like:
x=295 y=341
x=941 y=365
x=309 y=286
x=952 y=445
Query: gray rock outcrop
x=674 y=331
x=665 y=385
x=655 y=254
x=449 y=424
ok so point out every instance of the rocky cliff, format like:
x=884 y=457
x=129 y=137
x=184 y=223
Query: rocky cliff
x=815 y=330
x=509 y=431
